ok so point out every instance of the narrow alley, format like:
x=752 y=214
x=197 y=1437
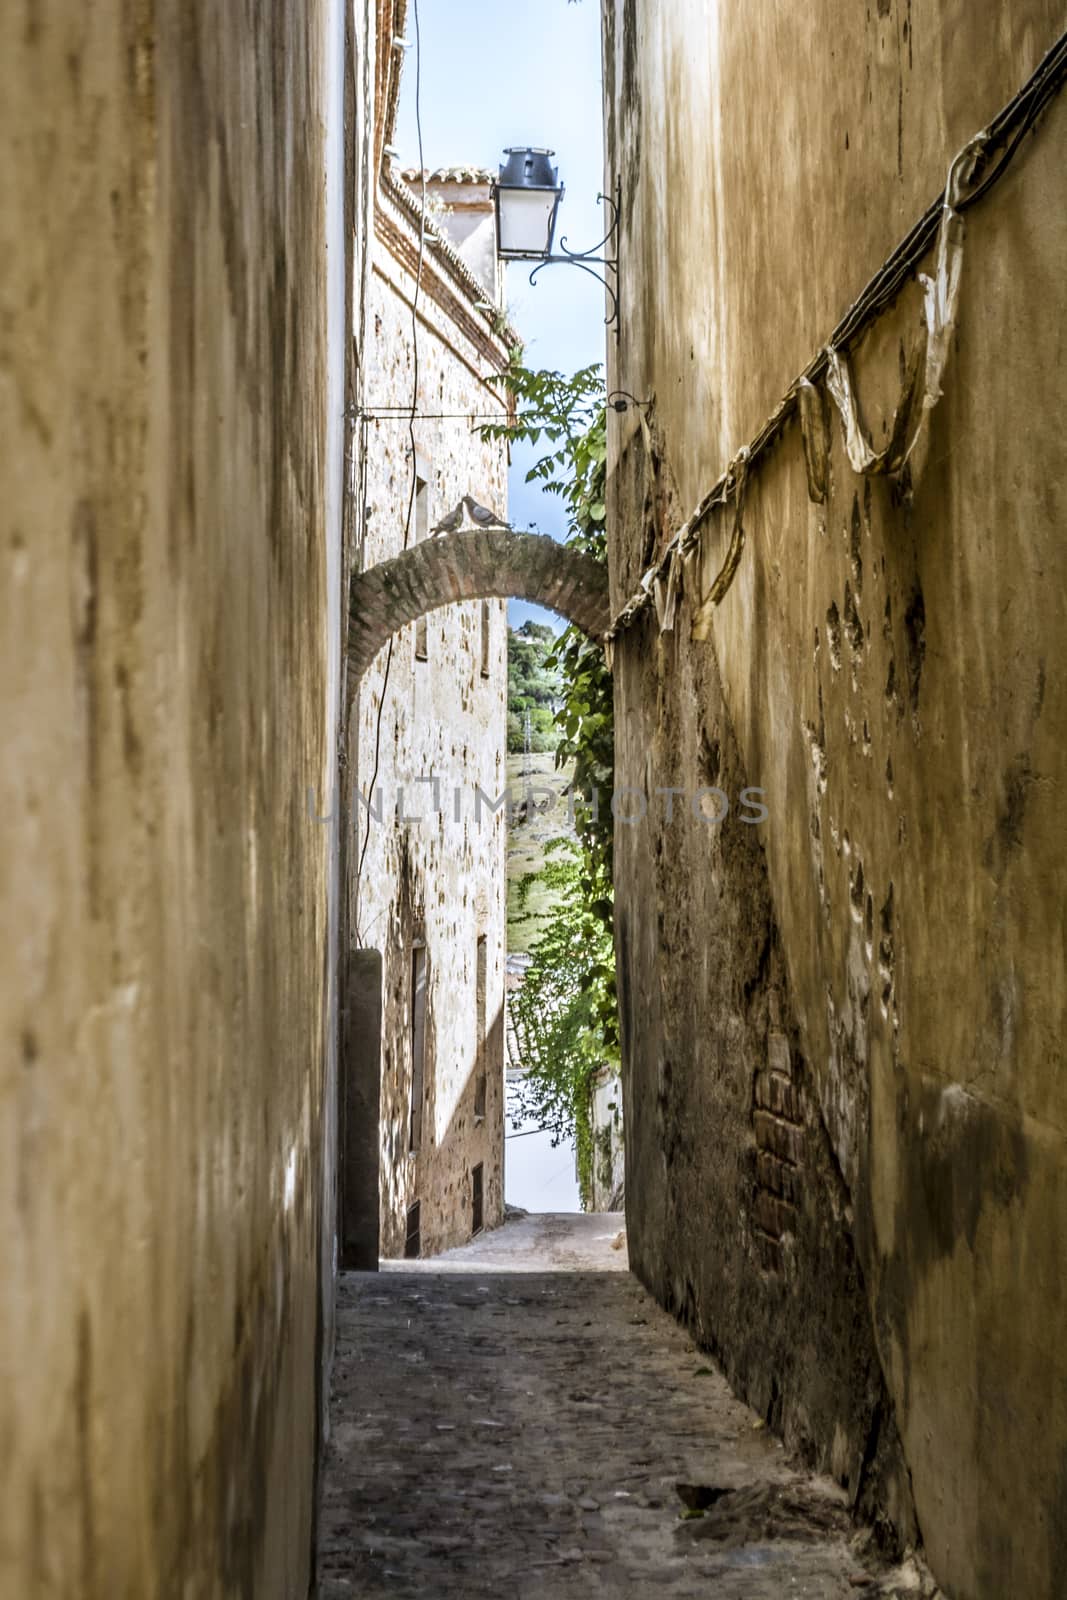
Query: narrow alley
x=518 y=1418
x=533 y=586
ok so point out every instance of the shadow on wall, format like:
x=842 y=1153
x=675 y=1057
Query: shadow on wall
x=458 y=1184
x=724 y=1119
x=461 y=1170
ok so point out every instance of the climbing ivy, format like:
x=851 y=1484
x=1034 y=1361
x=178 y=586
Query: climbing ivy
x=566 y=1013
x=556 y=1012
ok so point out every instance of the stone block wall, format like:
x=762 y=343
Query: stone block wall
x=437 y=881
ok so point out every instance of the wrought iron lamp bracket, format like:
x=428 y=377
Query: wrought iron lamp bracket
x=589 y=260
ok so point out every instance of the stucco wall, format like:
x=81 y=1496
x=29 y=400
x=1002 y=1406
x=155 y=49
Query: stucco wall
x=441 y=878
x=170 y=641
x=609 y=1144
x=467 y=216
x=845 y=1027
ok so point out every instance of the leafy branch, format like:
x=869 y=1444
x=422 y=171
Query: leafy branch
x=566 y=1013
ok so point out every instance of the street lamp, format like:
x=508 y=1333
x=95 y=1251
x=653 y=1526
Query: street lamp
x=527 y=194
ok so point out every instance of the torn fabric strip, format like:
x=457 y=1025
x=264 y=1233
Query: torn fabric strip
x=712 y=592
x=666 y=590
x=815 y=429
x=922 y=381
x=906 y=418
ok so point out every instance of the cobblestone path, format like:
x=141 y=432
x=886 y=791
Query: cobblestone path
x=522 y=1433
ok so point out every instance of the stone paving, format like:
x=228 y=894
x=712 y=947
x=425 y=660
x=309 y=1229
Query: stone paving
x=515 y=1419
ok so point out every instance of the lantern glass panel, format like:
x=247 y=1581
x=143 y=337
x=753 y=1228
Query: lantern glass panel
x=526 y=218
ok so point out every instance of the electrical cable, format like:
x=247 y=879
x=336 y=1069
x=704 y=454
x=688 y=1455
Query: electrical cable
x=411 y=438
x=402 y=414
x=1005 y=133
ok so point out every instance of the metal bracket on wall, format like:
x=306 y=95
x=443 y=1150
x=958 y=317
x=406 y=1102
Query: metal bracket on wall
x=589 y=260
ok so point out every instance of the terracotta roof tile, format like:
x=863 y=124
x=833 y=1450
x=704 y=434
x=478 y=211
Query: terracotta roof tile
x=454 y=174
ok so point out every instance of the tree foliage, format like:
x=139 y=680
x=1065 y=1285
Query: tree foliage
x=568 y=1003
x=556 y=1012
x=533 y=686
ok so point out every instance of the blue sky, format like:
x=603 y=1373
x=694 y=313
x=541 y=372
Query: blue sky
x=520 y=72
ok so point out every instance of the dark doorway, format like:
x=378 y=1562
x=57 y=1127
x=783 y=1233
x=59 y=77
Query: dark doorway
x=360 y=1077
x=413 y=1236
x=477 y=1198
x=418 y=1042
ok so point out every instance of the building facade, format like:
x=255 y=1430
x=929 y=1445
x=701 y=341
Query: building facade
x=172 y=392
x=843 y=1028
x=426 y=751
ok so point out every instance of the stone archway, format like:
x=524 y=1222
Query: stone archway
x=486 y=564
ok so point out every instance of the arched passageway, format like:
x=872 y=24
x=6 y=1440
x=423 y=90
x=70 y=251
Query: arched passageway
x=486 y=564
x=427 y=1202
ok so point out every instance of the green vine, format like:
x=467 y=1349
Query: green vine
x=566 y=1013
x=555 y=1014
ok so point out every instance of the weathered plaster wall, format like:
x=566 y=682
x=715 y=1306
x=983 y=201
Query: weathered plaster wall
x=609 y=1144
x=466 y=215
x=843 y=1028
x=441 y=879
x=170 y=643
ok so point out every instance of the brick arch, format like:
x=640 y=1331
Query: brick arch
x=487 y=564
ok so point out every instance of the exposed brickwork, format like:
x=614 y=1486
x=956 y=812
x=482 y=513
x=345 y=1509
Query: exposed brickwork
x=436 y=286
x=473 y=566
x=883 y=668
x=778 y=1136
x=779 y=1146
